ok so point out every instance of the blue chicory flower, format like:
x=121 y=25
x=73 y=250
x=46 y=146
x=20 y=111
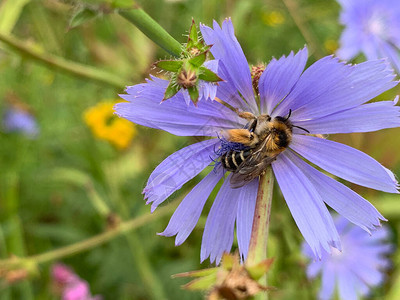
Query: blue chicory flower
x=358 y=268
x=328 y=97
x=19 y=120
x=371 y=27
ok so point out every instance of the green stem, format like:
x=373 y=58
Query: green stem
x=259 y=233
x=62 y=64
x=152 y=30
x=149 y=278
x=87 y=244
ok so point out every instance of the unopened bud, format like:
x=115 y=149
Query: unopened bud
x=194 y=51
x=187 y=78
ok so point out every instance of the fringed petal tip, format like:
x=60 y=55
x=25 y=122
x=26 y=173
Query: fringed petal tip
x=396 y=99
x=164 y=233
x=336 y=244
x=326 y=248
x=153 y=207
x=394 y=178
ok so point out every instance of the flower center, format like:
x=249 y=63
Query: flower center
x=377 y=25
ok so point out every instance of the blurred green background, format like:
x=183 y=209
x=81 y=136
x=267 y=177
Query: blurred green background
x=63 y=186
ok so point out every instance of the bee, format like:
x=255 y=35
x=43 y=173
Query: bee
x=263 y=139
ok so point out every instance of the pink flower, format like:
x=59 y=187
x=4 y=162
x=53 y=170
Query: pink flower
x=69 y=285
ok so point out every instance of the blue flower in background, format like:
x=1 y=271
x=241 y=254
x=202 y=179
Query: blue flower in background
x=371 y=27
x=326 y=98
x=359 y=267
x=19 y=120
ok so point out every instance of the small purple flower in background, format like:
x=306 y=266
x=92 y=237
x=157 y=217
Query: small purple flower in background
x=358 y=268
x=19 y=120
x=371 y=27
x=69 y=285
x=326 y=98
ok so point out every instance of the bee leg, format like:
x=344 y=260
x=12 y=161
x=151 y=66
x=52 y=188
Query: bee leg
x=246 y=115
x=251 y=126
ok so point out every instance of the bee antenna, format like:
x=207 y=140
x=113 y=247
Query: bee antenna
x=290 y=113
x=301 y=128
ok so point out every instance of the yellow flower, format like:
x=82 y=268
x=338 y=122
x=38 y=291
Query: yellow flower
x=273 y=18
x=105 y=125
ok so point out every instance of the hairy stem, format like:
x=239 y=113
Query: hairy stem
x=60 y=63
x=152 y=30
x=259 y=232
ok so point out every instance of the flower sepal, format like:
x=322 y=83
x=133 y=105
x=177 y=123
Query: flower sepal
x=169 y=65
x=195 y=45
x=189 y=72
x=231 y=280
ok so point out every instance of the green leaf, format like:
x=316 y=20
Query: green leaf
x=171 y=90
x=82 y=16
x=198 y=273
x=194 y=94
x=208 y=75
x=193 y=37
x=70 y=175
x=198 y=60
x=203 y=283
x=169 y=65
x=258 y=270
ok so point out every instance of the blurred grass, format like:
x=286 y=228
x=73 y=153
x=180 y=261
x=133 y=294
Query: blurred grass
x=43 y=206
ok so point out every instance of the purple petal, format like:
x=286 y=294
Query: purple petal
x=218 y=232
x=18 y=120
x=174 y=115
x=226 y=48
x=245 y=214
x=279 y=77
x=366 y=81
x=314 y=83
x=368 y=274
x=347 y=285
x=305 y=204
x=343 y=87
x=315 y=267
x=393 y=54
x=177 y=169
x=228 y=92
x=188 y=212
x=349 y=47
x=209 y=89
x=342 y=199
x=364 y=118
x=328 y=284
x=345 y=162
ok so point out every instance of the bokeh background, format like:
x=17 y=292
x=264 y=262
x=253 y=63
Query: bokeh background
x=82 y=174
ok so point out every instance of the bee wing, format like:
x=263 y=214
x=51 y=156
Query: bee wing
x=252 y=167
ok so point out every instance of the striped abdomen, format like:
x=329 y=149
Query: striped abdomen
x=231 y=160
